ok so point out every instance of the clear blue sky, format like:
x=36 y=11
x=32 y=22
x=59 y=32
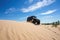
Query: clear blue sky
x=19 y=10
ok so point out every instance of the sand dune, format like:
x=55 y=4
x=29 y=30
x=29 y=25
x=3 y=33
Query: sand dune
x=12 y=30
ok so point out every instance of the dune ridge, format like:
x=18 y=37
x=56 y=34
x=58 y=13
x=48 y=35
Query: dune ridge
x=12 y=30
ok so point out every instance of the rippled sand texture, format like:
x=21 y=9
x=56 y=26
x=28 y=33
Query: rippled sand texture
x=11 y=30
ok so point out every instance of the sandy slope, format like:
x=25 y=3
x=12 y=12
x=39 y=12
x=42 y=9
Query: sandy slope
x=11 y=30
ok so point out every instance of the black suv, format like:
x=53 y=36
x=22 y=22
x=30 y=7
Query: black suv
x=34 y=20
